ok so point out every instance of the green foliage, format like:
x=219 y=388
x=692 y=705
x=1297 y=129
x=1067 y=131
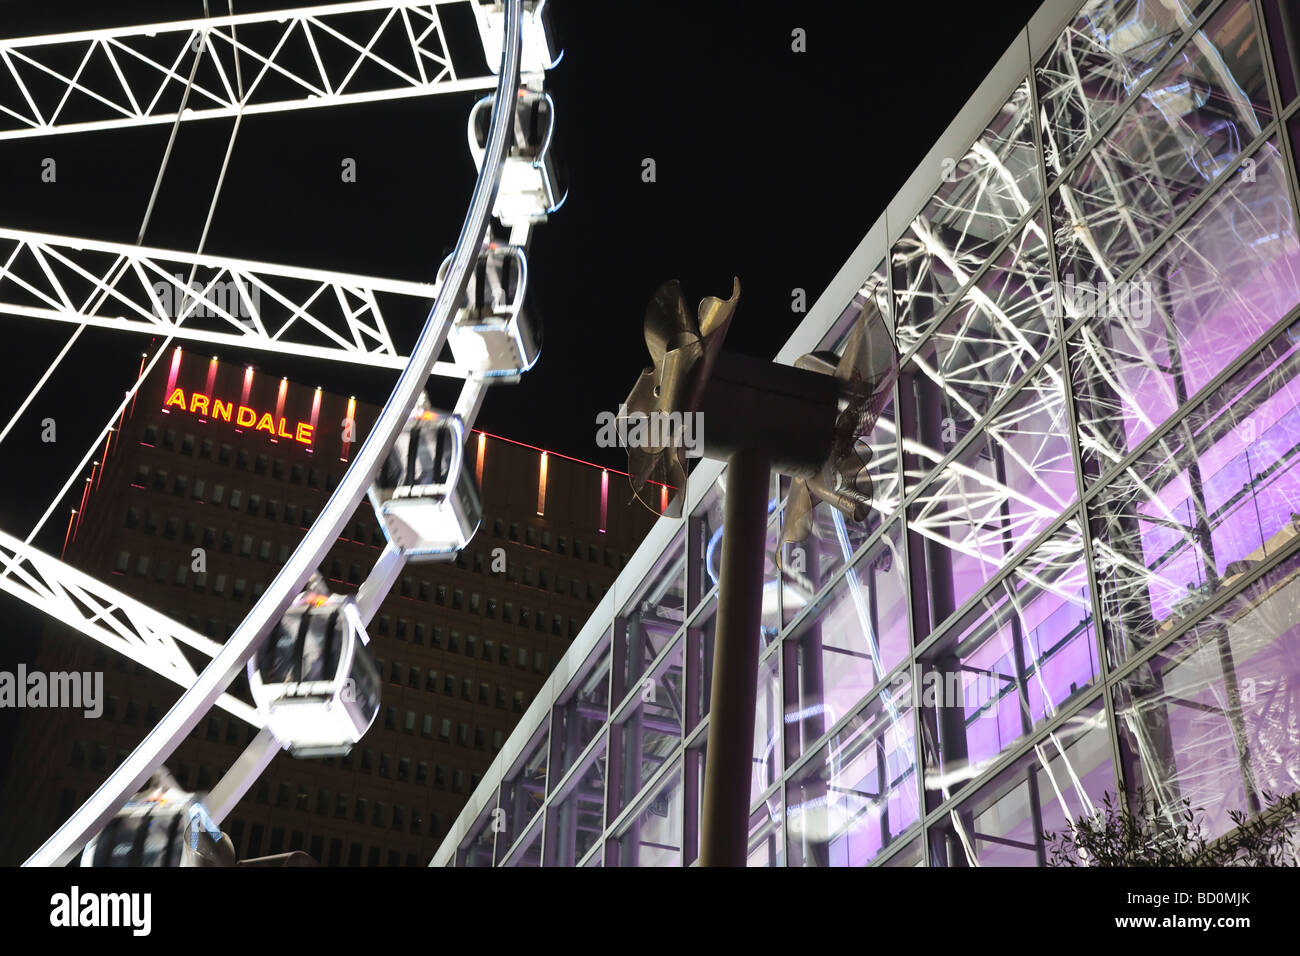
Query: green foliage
x=1136 y=832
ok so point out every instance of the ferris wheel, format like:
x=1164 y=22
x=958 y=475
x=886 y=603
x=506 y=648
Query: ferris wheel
x=314 y=687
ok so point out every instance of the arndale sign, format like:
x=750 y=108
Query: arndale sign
x=241 y=415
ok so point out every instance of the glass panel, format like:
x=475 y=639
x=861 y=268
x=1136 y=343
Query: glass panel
x=522 y=792
x=846 y=647
x=650 y=730
x=653 y=837
x=1212 y=718
x=576 y=820
x=1284 y=37
x=1002 y=325
x=579 y=718
x=910 y=855
x=1095 y=64
x=1228 y=275
x=767 y=755
x=476 y=849
x=1028 y=649
x=1219 y=494
x=994 y=497
x=983 y=195
x=770 y=624
x=1003 y=823
x=1190 y=126
x=809 y=563
x=529 y=852
x=766 y=835
x=650 y=619
x=767 y=727
x=859 y=793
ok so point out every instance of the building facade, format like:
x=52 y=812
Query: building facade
x=206 y=487
x=1081 y=572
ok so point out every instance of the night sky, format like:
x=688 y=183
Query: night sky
x=771 y=165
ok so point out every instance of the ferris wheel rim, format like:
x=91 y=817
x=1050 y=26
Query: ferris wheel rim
x=67 y=841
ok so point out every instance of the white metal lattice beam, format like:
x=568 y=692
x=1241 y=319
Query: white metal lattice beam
x=121 y=623
x=236 y=303
x=289 y=59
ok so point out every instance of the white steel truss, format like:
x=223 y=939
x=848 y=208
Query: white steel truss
x=289 y=59
x=123 y=624
x=214 y=299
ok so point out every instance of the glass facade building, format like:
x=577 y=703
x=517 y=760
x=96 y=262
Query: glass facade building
x=1081 y=572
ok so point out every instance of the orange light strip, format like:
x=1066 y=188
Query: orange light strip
x=248 y=388
x=349 y=433
x=171 y=375
x=541 y=486
x=315 y=412
x=580 y=461
x=482 y=450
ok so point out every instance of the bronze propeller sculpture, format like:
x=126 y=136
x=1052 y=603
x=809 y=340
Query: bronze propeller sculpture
x=803 y=421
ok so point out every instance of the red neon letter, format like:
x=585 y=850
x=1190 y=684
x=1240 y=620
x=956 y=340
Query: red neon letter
x=199 y=404
x=280 y=430
x=222 y=409
x=266 y=424
x=177 y=398
x=239 y=416
x=304 y=433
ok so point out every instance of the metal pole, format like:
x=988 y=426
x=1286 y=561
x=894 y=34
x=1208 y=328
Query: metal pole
x=724 y=824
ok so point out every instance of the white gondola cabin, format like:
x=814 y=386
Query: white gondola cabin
x=492 y=336
x=314 y=680
x=530 y=188
x=162 y=825
x=425 y=498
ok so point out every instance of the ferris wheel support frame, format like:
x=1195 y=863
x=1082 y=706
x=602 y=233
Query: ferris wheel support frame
x=185 y=714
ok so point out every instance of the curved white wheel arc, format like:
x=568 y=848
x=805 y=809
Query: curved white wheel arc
x=122 y=623
x=208 y=687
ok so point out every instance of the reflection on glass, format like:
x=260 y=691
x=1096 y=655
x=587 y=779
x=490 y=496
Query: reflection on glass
x=1201 y=507
x=1229 y=274
x=522 y=792
x=582 y=710
x=1097 y=62
x=651 y=618
x=844 y=649
x=1062 y=779
x=576 y=819
x=982 y=197
x=808 y=564
x=476 y=849
x=992 y=499
x=1187 y=128
x=766 y=837
x=1030 y=648
x=1001 y=326
x=1212 y=718
x=859 y=793
x=649 y=731
x=529 y=851
x=653 y=835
